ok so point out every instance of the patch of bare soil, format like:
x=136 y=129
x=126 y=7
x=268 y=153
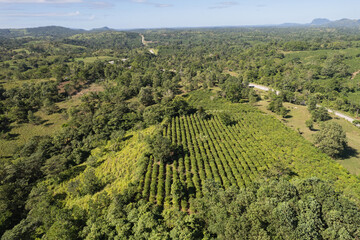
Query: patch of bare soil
x=92 y=88
x=354 y=74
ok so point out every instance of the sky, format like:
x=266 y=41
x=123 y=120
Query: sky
x=130 y=14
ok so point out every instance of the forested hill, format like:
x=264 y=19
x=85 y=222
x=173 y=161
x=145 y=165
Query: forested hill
x=49 y=31
x=61 y=32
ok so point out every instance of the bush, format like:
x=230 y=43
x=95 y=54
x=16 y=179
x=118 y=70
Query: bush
x=225 y=119
x=311 y=103
x=356 y=122
x=320 y=114
x=161 y=148
x=309 y=124
x=91 y=184
x=276 y=106
x=4 y=124
x=146 y=96
x=331 y=139
x=235 y=90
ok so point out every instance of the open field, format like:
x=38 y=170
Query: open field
x=8 y=84
x=93 y=59
x=23 y=132
x=312 y=56
x=50 y=123
x=298 y=116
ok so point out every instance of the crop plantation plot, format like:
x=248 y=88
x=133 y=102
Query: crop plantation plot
x=232 y=155
x=235 y=154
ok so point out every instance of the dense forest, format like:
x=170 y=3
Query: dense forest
x=156 y=134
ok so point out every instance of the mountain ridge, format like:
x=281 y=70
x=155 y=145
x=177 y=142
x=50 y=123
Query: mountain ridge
x=59 y=31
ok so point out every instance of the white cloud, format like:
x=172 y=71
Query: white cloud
x=160 y=5
x=42 y=1
x=100 y=5
x=221 y=5
x=50 y=14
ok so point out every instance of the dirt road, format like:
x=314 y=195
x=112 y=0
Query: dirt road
x=338 y=114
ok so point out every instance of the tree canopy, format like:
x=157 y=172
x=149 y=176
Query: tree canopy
x=331 y=139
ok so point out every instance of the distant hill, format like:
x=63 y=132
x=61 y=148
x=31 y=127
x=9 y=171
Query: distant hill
x=63 y=32
x=107 y=39
x=324 y=22
x=291 y=25
x=344 y=23
x=320 y=21
x=103 y=29
x=49 y=31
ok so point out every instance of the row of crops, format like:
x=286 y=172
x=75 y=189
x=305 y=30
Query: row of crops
x=231 y=155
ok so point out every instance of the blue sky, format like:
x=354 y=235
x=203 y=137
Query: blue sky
x=127 y=14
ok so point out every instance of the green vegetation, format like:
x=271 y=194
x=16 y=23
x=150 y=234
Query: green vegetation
x=19 y=134
x=276 y=106
x=331 y=139
x=297 y=122
x=103 y=137
x=94 y=59
x=309 y=124
x=277 y=210
x=320 y=114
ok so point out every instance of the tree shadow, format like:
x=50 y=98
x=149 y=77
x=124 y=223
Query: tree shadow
x=48 y=124
x=127 y=137
x=348 y=153
x=191 y=191
x=70 y=173
x=206 y=116
x=7 y=157
x=179 y=151
x=11 y=136
x=43 y=121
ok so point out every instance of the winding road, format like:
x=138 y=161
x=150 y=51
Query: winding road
x=336 y=113
x=264 y=88
x=145 y=43
x=143 y=39
x=341 y=115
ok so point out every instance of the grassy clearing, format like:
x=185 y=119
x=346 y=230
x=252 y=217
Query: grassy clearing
x=24 y=132
x=354 y=97
x=296 y=121
x=92 y=88
x=51 y=124
x=234 y=74
x=312 y=56
x=116 y=168
x=21 y=50
x=93 y=59
x=154 y=51
x=9 y=84
x=76 y=99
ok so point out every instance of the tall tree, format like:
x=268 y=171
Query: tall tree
x=331 y=139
